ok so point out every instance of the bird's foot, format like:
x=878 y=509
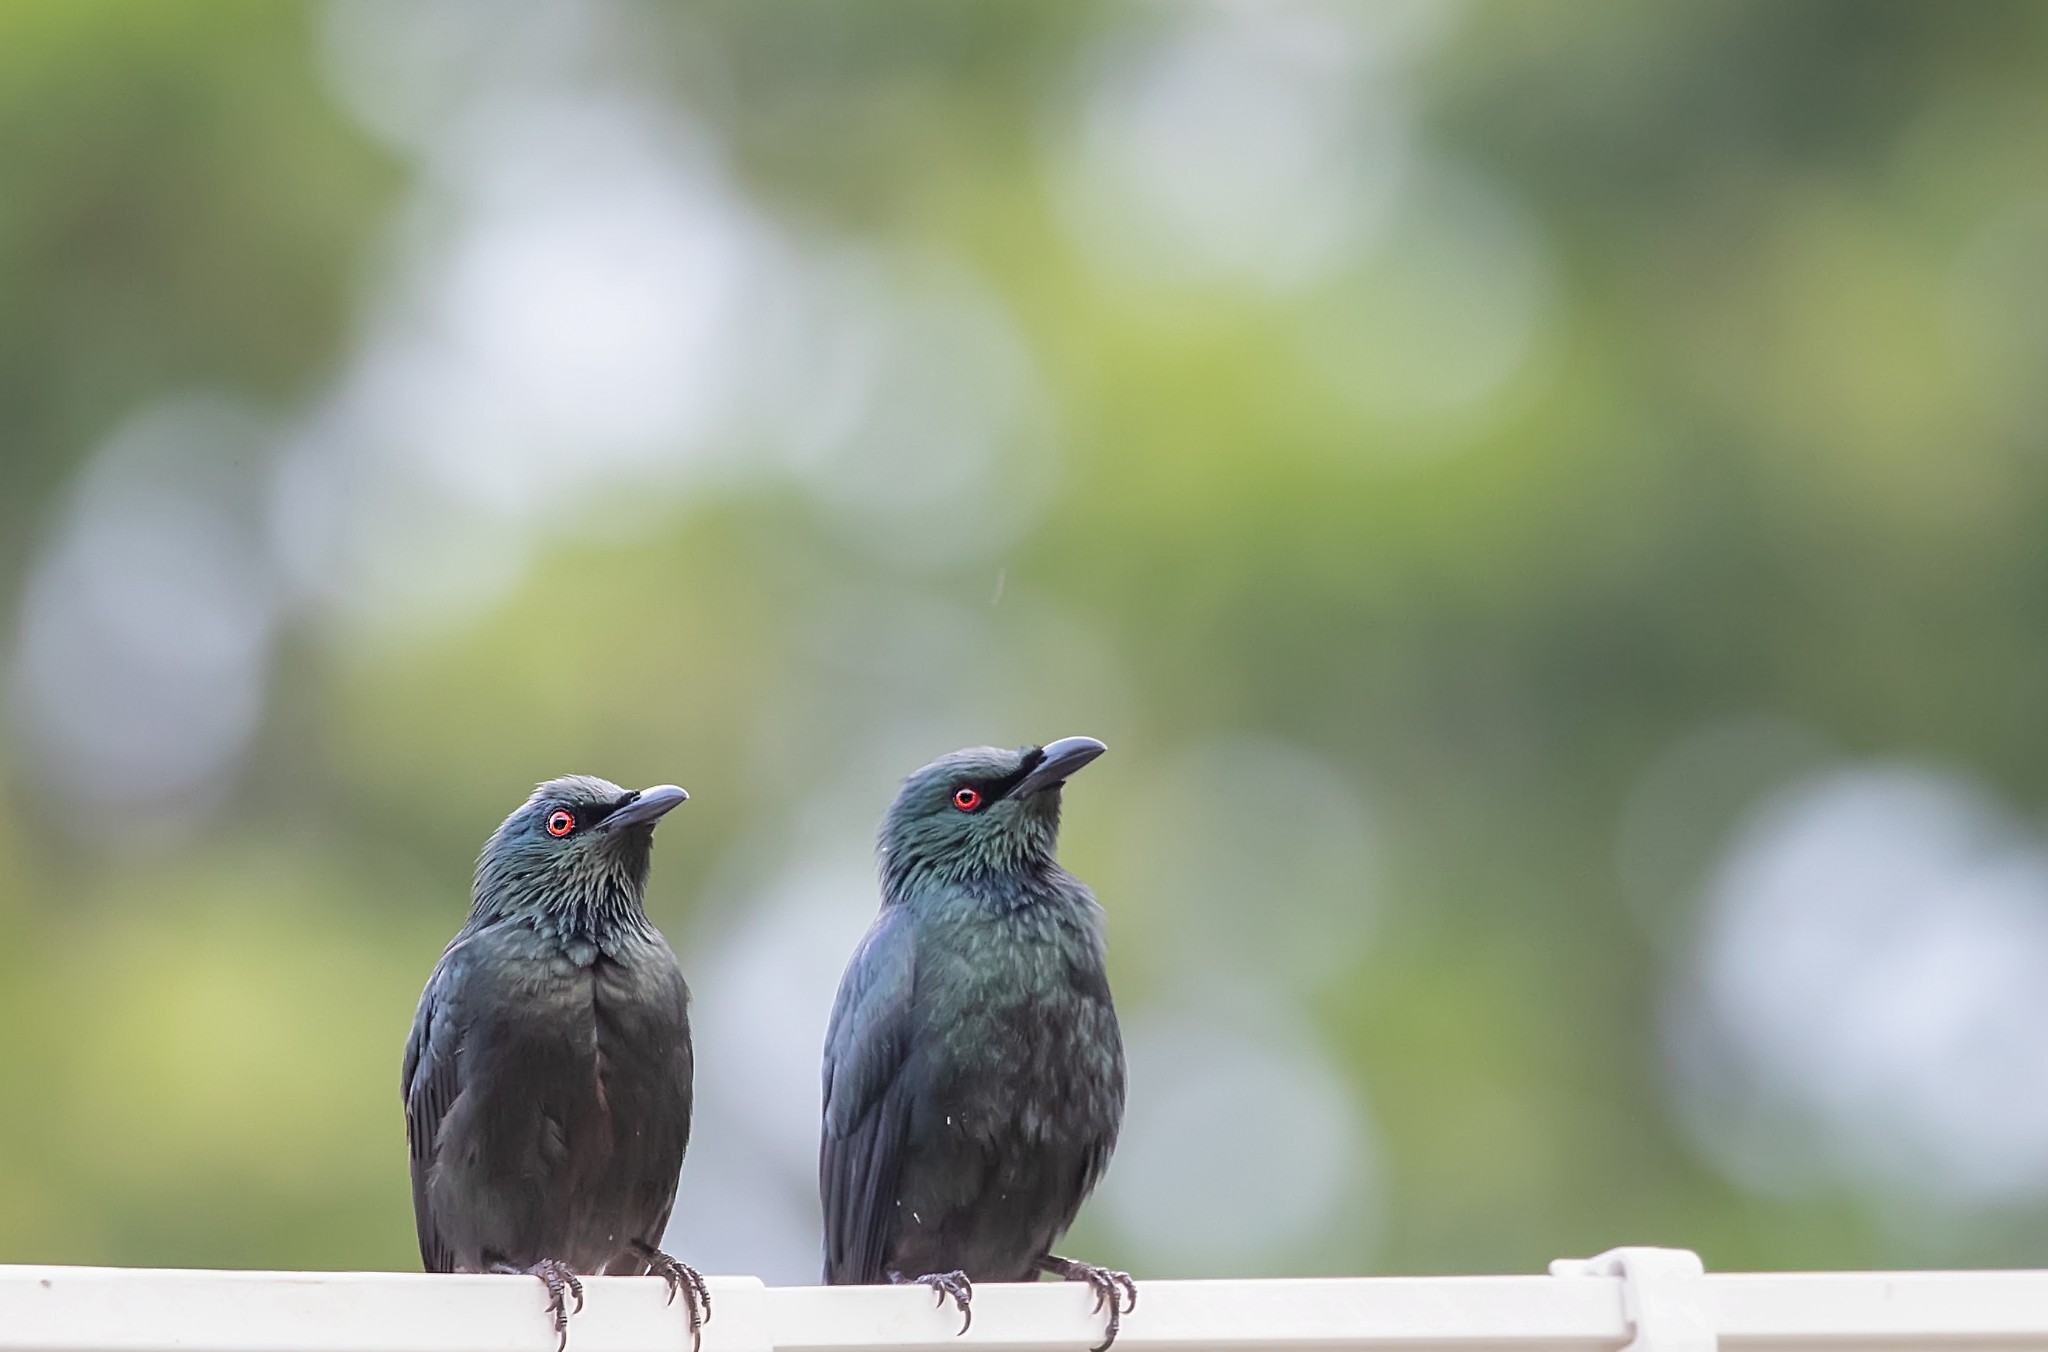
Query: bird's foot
x=1112 y=1288
x=684 y=1279
x=560 y=1282
x=954 y=1284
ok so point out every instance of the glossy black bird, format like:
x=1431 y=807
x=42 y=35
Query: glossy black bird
x=974 y=1072
x=547 y=1078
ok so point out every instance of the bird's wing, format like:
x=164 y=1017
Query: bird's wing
x=430 y=1081
x=866 y=1110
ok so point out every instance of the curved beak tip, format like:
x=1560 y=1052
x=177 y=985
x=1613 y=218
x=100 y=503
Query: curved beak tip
x=647 y=806
x=1058 y=760
x=1081 y=749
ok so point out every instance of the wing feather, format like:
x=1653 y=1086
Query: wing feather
x=430 y=1081
x=860 y=1156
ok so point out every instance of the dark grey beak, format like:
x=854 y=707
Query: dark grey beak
x=1057 y=761
x=645 y=807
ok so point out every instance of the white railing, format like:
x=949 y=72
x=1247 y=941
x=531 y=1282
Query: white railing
x=1654 y=1300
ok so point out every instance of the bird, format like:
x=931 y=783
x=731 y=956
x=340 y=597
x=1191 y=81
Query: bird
x=973 y=1068
x=547 y=1079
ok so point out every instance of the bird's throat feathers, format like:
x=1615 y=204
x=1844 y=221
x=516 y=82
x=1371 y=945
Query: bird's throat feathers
x=580 y=893
x=1006 y=868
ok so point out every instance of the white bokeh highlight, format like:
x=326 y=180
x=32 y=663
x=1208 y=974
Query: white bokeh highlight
x=1256 y=144
x=1869 y=1001
x=146 y=624
x=549 y=342
x=585 y=321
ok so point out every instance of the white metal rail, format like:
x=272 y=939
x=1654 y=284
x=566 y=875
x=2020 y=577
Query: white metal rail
x=1651 y=1300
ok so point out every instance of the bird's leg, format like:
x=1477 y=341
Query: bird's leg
x=1111 y=1288
x=557 y=1278
x=681 y=1277
x=954 y=1284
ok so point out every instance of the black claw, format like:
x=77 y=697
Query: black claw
x=702 y=1291
x=1112 y=1288
x=558 y=1280
x=684 y=1279
x=954 y=1284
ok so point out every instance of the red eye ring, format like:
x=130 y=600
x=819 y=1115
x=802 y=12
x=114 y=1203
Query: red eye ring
x=967 y=800
x=560 y=823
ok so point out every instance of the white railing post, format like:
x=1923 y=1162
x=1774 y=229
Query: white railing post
x=1663 y=1296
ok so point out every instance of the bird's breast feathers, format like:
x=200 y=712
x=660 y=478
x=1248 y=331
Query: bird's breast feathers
x=1027 y=1033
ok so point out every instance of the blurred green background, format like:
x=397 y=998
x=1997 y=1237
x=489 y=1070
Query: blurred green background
x=1544 y=502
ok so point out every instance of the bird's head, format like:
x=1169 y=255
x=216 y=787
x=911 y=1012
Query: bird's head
x=578 y=844
x=980 y=812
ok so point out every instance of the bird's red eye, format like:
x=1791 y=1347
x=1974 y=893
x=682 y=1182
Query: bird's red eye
x=560 y=823
x=967 y=799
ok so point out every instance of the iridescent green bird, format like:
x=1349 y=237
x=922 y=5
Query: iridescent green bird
x=547 y=1081
x=974 y=1072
